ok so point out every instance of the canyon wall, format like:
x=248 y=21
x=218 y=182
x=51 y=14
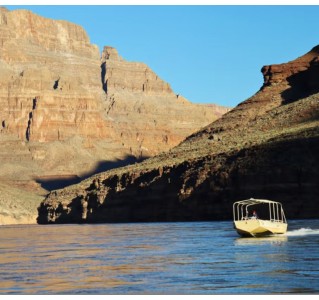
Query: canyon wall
x=53 y=94
x=68 y=112
x=266 y=147
x=50 y=79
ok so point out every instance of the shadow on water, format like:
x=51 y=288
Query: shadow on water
x=60 y=181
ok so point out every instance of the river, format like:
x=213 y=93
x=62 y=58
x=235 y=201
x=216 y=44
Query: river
x=157 y=258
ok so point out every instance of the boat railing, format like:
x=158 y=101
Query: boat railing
x=276 y=213
x=277 y=221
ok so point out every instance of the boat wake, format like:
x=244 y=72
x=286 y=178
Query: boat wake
x=302 y=231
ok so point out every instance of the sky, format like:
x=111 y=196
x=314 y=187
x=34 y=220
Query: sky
x=207 y=53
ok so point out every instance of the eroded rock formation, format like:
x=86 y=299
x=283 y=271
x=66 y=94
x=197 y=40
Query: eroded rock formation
x=52 y=90
x=67 y=113
x=266 y=147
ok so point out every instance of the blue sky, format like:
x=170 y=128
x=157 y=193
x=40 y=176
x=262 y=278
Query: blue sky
x=208 y=54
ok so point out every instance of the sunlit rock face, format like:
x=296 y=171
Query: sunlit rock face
x=50 y=79
x=144 y=110
x=68 y=111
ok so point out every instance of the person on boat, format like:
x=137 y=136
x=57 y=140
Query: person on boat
x=254 y=215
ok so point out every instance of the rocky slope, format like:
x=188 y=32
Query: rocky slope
x=266 y=147
x=66 y=113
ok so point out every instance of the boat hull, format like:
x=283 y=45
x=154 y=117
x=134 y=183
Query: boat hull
x=258 y=227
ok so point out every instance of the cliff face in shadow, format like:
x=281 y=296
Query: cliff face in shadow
x=266 y=147
x=58 y=182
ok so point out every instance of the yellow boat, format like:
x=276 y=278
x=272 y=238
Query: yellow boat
x=259 y=217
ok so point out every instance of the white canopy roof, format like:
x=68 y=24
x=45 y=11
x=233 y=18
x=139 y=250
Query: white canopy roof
x=254 y=201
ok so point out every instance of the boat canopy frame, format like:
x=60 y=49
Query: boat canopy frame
x=276 y=212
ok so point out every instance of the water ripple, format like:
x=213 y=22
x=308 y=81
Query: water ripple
x=157 y=258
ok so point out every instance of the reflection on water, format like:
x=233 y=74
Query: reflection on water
x=156 y=258
x=274 y=239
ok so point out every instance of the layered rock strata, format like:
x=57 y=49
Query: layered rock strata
x=51 y=91
x=266 y=147
x=50 y=94
x=144 y=111
x=67 y=114
x=50 y=79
